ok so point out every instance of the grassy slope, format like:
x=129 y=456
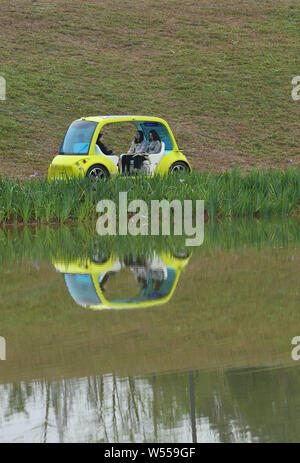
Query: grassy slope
x=220 y=72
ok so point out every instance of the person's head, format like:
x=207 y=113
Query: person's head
x=100 y=137
x=103 y=282
x=139 y=136
x=153 y=135
x=142 y=282
x=102 y=287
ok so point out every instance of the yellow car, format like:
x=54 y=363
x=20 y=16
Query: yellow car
x=81 y=156
x=156 y=278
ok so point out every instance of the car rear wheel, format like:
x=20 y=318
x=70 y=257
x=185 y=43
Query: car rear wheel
x=179 y=167
x=98 y=172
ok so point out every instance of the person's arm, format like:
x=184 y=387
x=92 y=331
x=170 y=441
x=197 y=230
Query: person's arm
x=131 y=149
x=144 y=149
x=140 y=148
x=145 y=146
x=105 y=150
x=156 y=148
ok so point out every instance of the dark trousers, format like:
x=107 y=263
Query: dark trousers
x=126 y=162
x=138 y=161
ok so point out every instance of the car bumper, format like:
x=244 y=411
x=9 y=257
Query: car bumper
x=56 y=172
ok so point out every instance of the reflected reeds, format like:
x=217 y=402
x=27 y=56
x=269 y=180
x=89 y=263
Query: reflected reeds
x=82 y=241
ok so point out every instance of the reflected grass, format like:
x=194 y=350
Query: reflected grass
x=82 y=241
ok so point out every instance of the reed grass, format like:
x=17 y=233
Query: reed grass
x=227 y=194
x=82 y=241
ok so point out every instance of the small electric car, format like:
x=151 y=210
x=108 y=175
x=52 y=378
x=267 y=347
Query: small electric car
x=80 y=155
x=156 y=279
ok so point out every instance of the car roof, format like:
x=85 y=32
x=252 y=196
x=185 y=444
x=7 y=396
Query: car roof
x=123 y=118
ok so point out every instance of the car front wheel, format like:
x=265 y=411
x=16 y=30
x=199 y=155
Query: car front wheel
x=179 y=167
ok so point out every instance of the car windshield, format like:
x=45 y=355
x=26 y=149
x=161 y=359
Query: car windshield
x=78 y=138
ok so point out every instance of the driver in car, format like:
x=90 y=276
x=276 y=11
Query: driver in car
x=103 y=147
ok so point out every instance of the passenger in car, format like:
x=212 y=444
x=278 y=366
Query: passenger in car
x=138 y=145
x=154 y=147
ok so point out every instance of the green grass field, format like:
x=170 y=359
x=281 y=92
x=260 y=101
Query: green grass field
x=220 y=72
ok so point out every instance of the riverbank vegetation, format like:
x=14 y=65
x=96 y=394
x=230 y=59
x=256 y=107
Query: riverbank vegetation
x=228 y=194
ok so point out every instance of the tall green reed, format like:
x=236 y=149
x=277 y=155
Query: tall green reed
x=227 y=194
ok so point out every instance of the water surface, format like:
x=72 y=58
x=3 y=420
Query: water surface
x=146 y=340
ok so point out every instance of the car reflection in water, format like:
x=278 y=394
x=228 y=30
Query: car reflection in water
x=157 y=277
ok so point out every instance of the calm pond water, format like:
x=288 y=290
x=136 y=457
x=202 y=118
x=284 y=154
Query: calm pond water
x=143 y=340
